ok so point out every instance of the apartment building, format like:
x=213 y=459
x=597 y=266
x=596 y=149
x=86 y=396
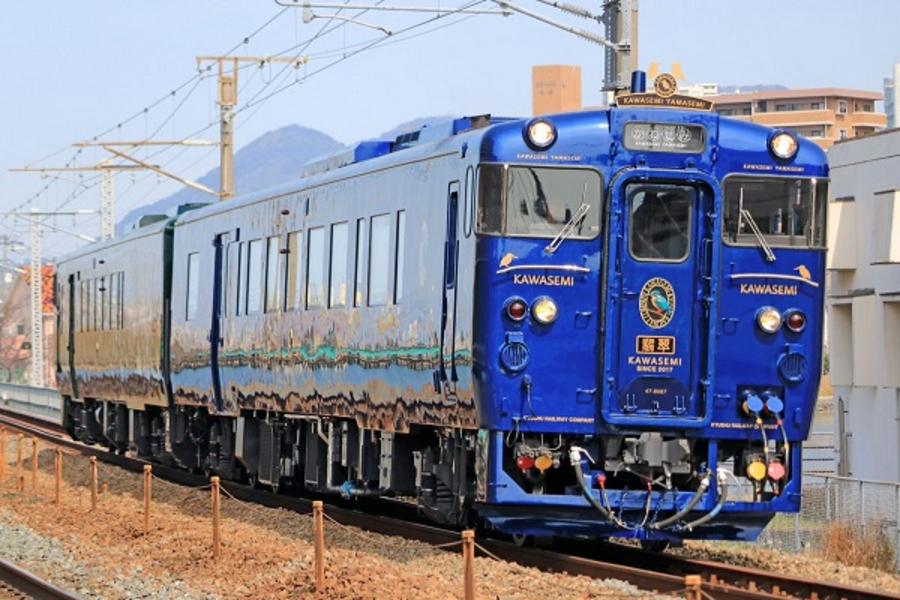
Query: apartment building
x=863 y=303
x=824 y=115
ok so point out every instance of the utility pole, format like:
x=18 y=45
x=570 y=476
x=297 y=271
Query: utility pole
x=107 y=199
x=35 y=218
x=107 y=170
x=8 y=243
x=227 y=100
x=620 y=19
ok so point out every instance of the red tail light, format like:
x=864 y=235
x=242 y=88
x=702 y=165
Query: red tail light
x=516 y=309
x=795 y=320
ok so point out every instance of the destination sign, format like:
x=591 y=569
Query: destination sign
x=665 y=137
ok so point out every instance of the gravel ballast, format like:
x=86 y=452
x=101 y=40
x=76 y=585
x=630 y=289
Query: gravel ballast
x=266 y=553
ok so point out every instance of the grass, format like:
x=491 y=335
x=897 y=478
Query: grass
x=851 y=544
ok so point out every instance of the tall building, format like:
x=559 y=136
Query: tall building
x=555 y=89
x=824 y=115
x=863 y=301
x=892 y=97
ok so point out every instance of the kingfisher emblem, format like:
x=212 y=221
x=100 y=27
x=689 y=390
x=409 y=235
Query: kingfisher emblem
x=657 y=303
x=804 y=272
x=507 y=259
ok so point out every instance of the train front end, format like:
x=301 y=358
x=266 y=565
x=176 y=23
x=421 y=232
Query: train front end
x=648 y=328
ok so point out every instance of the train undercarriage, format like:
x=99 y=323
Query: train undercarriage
x=631 y=482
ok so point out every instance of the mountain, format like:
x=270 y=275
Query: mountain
x=273 y=158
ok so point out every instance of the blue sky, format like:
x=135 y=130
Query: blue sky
x=75 y=69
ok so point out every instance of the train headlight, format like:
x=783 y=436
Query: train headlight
x=540 y=134
x=768 y=319
x=544 y=310
x=783 y=145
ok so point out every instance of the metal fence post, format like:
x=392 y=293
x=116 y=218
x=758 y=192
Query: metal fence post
x=319 y=544
x=148 y=482
x=862 y=506
x=58 y=472
x=93 y=484
x=827 y=499
x=468 y=552
x=214 y=490
x=34 y=464
x=897 y=547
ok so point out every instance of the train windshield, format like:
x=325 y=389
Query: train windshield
x=784 y=212
x=538 y=201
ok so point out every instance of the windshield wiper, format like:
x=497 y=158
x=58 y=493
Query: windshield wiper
x=767 y=250
x=569 y=228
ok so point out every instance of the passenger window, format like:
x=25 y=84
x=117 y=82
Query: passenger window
x=293 y=293
x=193 y=288
x=272 y=256
x=400 y=251
x=360 y=276
x=315 y=268
x=379 y=259
x=660 y=222
x=338 y=293
x=254 y=276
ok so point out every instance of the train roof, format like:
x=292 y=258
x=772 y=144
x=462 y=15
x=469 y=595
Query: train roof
x=496 y=139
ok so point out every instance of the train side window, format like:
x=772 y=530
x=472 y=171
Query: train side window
x=193 y=288
x=315 y=268
x=490 y=199
x=660 y=222
x=254 y=276
x=400 y=252
x=293 y=292
x=272 y=257
x=379 y=259
x=338 y=275
x=469 y=203
x=360 y=275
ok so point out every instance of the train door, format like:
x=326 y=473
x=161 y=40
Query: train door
x=446 y=377
x=219 y=291
x=70 y=332
x=660 y=324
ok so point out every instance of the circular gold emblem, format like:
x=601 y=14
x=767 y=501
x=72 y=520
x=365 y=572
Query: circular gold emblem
x=657 y=303
x=665 y=85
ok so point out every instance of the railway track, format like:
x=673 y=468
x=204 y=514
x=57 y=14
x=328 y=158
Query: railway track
x=16 y=583
x=663 y=573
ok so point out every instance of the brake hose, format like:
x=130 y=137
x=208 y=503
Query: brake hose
x=575 y=458
x=723 y=496
x=687 y=508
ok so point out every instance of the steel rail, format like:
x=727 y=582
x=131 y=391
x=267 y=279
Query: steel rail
x=646 y=570
x=29 y=585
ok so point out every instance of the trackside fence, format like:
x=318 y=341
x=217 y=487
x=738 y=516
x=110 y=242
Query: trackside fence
x=866 y=509
x=44 y=403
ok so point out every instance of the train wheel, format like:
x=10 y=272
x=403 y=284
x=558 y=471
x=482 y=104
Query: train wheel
x=654 y=545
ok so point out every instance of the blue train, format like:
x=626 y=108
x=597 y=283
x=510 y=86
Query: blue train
x=605 y=324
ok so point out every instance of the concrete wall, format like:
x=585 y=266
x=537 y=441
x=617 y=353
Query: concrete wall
x=864 y=304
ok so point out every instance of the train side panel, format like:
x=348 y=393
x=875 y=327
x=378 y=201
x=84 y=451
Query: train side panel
x=364 y=345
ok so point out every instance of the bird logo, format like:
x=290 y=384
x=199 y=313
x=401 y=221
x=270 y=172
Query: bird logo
x=657 y=303
x=507 y=259
x=804 y=272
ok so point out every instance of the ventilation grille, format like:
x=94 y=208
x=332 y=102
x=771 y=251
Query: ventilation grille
x=792 y=366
